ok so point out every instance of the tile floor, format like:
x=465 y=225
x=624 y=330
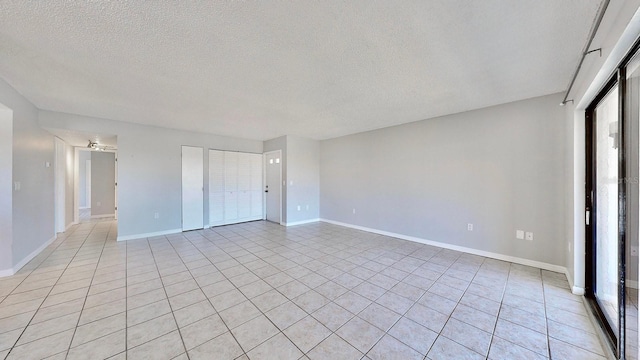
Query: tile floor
x=261 y=291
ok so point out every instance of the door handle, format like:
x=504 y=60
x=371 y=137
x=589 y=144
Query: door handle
x=266 y=191
x=587 y=216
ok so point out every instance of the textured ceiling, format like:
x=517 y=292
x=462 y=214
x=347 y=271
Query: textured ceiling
x=263 y=69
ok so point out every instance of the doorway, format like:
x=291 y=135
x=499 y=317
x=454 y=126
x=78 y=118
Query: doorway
x=273 y=187
x=95 y=184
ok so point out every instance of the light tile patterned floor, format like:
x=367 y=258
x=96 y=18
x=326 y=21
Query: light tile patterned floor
x=262 y=291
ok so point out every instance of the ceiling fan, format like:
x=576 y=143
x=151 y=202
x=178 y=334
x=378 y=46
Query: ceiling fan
x=94 y=145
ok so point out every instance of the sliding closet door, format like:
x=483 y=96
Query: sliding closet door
x=216 y=188
x=192 y=188
x=230 y=187
x=256 y=186
x=235 y=187
x=244 y=186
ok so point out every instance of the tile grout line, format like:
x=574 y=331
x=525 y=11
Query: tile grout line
x=45 y=298
x=239 y=242
x=88 y=288
x=416 y=302
x=167 y=295
x=495 y=326
x=227 y=279
x=43 y=260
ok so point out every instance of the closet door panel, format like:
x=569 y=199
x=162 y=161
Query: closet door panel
x=244 y=205
x=244 y=171
x=216 y=187
x=230 y=207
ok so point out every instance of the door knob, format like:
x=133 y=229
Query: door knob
x=266 y=191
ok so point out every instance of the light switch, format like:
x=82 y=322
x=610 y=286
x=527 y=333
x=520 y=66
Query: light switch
x=17 y=186
x=520 y=234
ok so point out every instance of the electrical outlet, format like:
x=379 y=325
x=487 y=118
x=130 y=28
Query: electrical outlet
x=298 y=207
x=528 y=235
x=520 y=234
x=470 y=227
x=354 y=210
x=17 y=186
x=634 y=251
x=156 y=215
x=99 y=203
x=307 y=207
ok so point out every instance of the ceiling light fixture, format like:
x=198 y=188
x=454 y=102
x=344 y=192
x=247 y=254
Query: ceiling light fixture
x=93 y=145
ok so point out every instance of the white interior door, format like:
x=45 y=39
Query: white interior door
x=216 y=188
x=192 y=188
x=273 y=169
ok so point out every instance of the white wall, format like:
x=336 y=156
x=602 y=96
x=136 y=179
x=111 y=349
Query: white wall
x=6 y=188
x=149 y=168
x=32 y=205
x=499 y=168
x=103 y=165
x=303 y=179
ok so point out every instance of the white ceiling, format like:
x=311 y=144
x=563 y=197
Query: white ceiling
x=259 y=70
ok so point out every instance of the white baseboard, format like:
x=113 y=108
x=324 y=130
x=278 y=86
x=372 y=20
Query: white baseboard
x=70 y=225
x=509 y=258
x=6 y=272
x=575 y=290
x=23 y=262
x=301 y=222
x=103 y=216
x=148 y=235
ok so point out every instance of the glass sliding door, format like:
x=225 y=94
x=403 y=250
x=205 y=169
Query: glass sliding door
x=605 y=190
x=606 y=211
x=613 y=206
x=631 y=117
